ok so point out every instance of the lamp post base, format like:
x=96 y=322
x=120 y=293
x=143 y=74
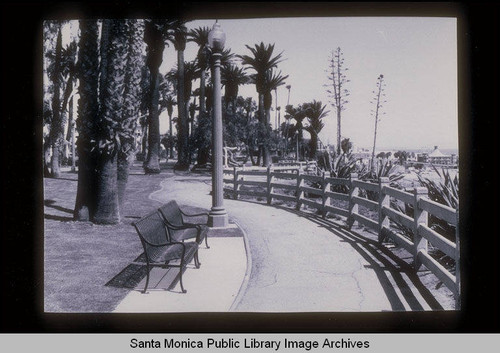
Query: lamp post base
x=217 y=218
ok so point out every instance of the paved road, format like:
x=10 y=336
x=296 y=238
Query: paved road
x=302 y=263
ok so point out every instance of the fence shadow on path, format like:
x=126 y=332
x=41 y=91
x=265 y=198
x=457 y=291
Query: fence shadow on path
x=383 y=262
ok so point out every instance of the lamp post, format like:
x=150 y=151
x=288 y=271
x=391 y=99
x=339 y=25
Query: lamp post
x=218 y=215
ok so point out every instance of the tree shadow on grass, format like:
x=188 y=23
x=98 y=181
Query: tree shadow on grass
x=382 y=261
x=51 y=204
x=57 y=218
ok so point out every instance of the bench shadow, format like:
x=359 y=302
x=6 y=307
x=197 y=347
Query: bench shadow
x=133 y=274
x=382 y=261
x=130 y=276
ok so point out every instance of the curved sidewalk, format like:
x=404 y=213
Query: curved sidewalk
x=299 y=262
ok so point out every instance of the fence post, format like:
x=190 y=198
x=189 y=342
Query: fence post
x=269 y=188
x=419 y=217
x=383 y=200
x=457 y=265
x=326 y=200
x=236 y=186
x=299 y=192
x=353 y=206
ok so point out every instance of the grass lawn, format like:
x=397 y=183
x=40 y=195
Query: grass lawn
x=82 y=258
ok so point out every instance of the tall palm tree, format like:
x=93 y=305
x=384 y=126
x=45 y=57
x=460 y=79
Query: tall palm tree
x=154 y=38
x=272 y=81
x=200 y=37
x=112 y=99
x=261 y=62
x=298 y=114
x=315 y=113
x=177 y=34
x=170 y=102
x=88 y=74
x=134 y=33
x=232 y=77
x=56 y=125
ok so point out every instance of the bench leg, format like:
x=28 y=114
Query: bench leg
x=147 y=280
x=197 y=262
x=206 y=242
x=181 y=269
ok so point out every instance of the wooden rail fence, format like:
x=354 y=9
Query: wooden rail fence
x=318 y=192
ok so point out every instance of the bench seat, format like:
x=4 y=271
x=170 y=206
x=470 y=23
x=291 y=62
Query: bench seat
x=184 y=225
x=161 y=249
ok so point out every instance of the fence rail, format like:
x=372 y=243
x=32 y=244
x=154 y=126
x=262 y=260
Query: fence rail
x=377 y=198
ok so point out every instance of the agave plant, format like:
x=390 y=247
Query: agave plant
x=339 y=166
x=444 y=190
x=384 y=169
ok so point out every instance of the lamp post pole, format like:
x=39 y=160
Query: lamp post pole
x=218 y=215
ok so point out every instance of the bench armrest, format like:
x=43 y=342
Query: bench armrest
x=184 y=214
x=177 y=227
x=194 y=214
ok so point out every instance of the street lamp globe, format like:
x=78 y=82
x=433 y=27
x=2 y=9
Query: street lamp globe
x=216 y=38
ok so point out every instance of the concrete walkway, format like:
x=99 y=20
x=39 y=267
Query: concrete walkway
x=295 y=262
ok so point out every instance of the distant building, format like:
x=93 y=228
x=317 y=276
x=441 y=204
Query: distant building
x=437 y=157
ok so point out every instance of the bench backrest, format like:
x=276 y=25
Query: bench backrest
x=172 y=213
x=152 y=230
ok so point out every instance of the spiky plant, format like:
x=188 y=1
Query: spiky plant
x=338 y=93
x=378 y=100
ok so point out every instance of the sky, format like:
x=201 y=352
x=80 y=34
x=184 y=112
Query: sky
x=416 y=55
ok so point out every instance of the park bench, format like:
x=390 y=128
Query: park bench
x=178 y=222
x=161 y=250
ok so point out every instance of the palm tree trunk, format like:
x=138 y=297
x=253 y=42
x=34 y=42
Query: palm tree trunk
x=153 y=160
x=56 y=126
x=87 y=117
x=264 y=150
x=107 y=210
x=182 y=133
x=154 y=40
x=112 y=103
x=171 y=135
x=131 y=104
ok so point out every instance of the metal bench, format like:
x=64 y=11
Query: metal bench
x=178 y=222
x=161 y=250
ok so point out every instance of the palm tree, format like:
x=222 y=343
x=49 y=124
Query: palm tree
x=315 y=114
x=232 y=77
x=57 y=123
x=134 y=33
x=200 y=37
x=298 y=114
x=272 y=81
x=177 y=34
x=112 y=99
x=170 y=102
x=88 y=73
x=191 y=73
x=261 y=62
x=153 y=36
